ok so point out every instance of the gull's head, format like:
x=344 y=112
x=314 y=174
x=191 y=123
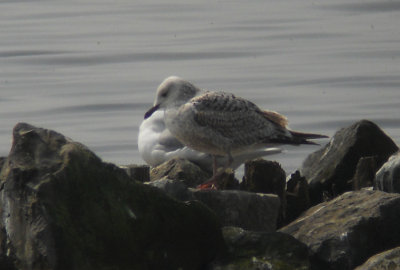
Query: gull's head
x=173 y=91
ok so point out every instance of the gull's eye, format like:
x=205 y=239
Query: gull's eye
x=164 y=94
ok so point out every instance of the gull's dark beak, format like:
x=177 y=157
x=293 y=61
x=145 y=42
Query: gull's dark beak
x=151 y=111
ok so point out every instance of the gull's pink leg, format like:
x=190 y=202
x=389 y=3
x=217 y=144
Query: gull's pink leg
x=212 y=182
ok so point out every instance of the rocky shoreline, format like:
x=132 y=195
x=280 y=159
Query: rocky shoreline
x=63 y=208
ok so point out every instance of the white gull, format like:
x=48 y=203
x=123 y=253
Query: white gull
x=157 y=145
x=219 y=123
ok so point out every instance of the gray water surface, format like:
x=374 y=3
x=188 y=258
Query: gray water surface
x=89 y=69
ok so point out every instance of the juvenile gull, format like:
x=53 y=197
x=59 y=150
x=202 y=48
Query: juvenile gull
x=157 y=145
x=219 y=123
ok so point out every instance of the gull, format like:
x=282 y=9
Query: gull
x=220 y=123
x=157 y=145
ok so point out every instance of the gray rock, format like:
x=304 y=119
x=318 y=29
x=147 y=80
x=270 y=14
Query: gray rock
x=330 y=169
x=140 y=173
x=250 y=211
x=297 y=197
x=344 y=232
x=248 y=250
x=365 y=173
x=61 y=207
x=174 y=188
x=180 y=169
x=387 y=260
x=388 y=177
x=266 y=176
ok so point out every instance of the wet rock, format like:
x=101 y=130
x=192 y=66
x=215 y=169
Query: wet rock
x=388 y=177
x=180 y=169
x=250 y=211
x=344 y=232
x=387 y=260
x=61 y=207
x=140 y=173
x=330 y=169
x=297 y=197
x=261 y=250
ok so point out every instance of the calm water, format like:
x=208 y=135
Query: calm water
x=89 y=69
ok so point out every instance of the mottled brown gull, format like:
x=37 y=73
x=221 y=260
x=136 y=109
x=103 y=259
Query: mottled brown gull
x=219 y=123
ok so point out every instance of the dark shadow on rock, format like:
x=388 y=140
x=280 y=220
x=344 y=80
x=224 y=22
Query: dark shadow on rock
x=63 y=208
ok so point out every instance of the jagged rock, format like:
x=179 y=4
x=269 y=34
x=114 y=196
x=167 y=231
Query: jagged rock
x=365 y=173
x=248 y=250
x=61 y=207
x=140 y=173
x=344 y=232
x=266 y=176
x=297 y=197
x=329 y=169
x=251 y=211
x=180 y=169
x=388 y=177
x=227 y=180
x=174 y=188
x=387 y=260
x=2 y=160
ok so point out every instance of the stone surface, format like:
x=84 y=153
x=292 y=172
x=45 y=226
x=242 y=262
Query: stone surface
x=140 y=173
x=387 y=260
x=61 y=207
x=174 y=188
x=248 y=250
x=344 y=232
x=266 y=176
x=330 y=169
x=297 y=197
x=180 y=169
x=251 y=211
x=388 y=177
x=365 y=173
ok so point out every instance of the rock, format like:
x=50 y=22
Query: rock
x=2 y=161
x=297 y=197
x=365 y=173
x=227 y=180
x=388 y=177
x=344 y=232
x=266 y=176
x=61 y=207
x=250 y=211
x=387 y=260
x=180 y=169
x=140 y=173
x=329 y=169
x=261 y=250
x=174 y=188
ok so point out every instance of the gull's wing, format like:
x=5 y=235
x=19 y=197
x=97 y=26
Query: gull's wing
x=238 y=119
